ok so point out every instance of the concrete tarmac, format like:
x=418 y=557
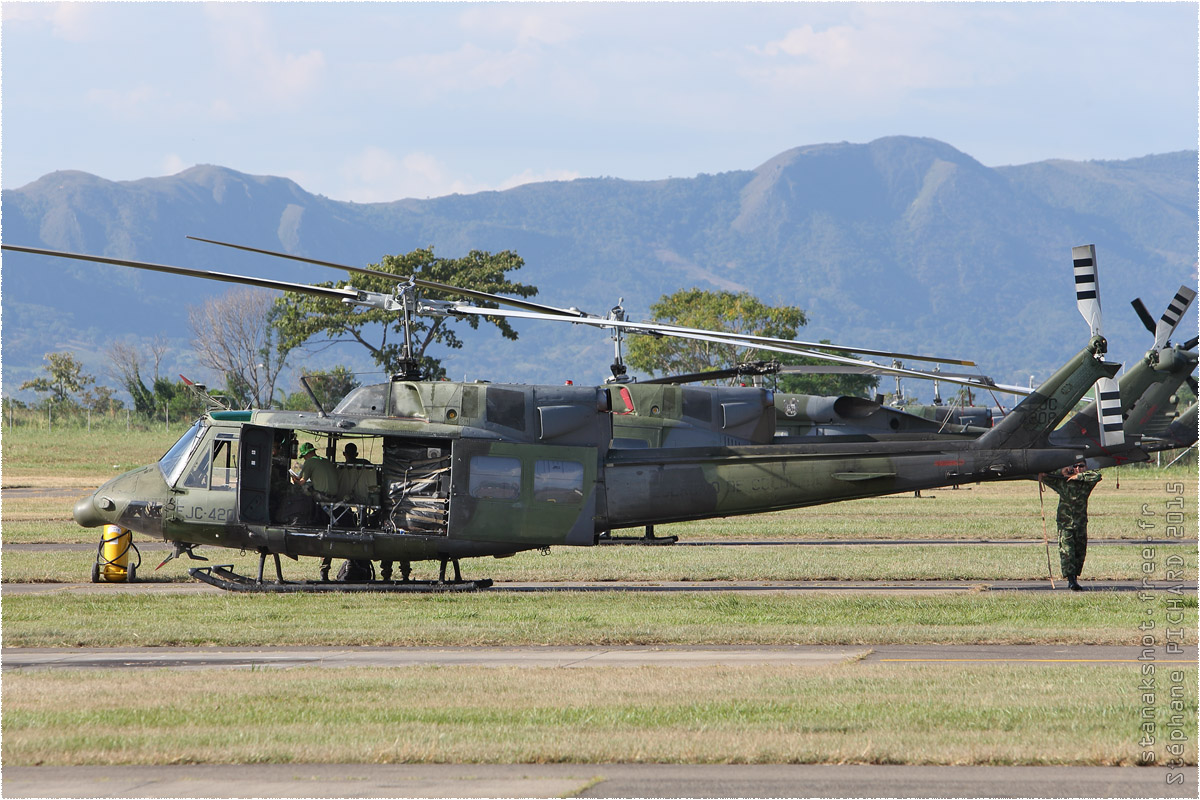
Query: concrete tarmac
x=188 y=658
x=593 y=780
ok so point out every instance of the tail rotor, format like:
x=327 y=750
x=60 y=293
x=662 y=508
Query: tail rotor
x=1087 y=298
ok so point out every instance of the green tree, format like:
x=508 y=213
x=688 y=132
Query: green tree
x=64 y=378
x=738 y=312
x=126 y=360
x=300 y=317
x=162 y=395
x=178 y=399
x=330 y=386
x=100 y=400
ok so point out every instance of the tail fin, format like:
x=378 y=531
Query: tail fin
x=1030 y=423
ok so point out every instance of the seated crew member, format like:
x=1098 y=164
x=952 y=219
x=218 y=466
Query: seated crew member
x=317 y=480
x=317 y=475
x=345 y=518
x=350 y=453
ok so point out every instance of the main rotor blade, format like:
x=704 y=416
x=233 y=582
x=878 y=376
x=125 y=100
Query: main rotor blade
x=1191 y=343
x=760 y=342
x=1170 y=319
x=421 y=282
x=979 y=381
x=750 y=340
x=754 y=368
x=264 y=283
x=704 y=336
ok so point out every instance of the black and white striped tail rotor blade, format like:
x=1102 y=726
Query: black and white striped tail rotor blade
x=1170 y=319
x=1108 y=396
x=1087 y=286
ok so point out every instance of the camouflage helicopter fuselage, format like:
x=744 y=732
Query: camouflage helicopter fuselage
x=473 y=469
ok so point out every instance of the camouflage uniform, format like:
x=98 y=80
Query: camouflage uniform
x=1072 y=518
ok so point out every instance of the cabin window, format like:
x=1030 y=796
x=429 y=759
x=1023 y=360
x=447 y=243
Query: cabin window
x=495 y=478
x=557 y=481
x=365 y=400
x=224 y=464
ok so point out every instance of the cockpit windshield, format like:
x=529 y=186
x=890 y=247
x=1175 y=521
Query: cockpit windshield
x=173 y=462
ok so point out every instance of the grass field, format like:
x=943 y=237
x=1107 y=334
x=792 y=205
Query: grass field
x=580 y=618
x=706 y=563
x=855 y=712
x=849 y=713
x=75 y=457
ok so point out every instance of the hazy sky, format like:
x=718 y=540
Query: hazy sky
x=379 y=101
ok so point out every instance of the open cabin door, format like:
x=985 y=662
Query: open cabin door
x=254 y=485
x=523 y=493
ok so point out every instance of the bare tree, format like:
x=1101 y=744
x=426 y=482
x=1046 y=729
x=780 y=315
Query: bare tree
x=233 y=335
x=126 y=361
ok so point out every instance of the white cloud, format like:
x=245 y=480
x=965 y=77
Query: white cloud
x=526 y=25
x=376 y=175
x=467 y=68
x=173 y=164
x=70 y=22
x=529 y=176
x=882 y=53
x=255 y=63
x=129 y=102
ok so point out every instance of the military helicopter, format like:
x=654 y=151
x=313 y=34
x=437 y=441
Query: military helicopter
x=486 y=469
x=1145 y=391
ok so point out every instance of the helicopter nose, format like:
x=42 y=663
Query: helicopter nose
x=89 y=511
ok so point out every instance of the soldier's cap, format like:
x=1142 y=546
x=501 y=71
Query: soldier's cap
x=307 y=448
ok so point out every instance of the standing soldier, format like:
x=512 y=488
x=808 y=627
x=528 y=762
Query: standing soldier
x=1073 y=485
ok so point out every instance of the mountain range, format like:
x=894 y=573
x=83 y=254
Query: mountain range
x=902 y=243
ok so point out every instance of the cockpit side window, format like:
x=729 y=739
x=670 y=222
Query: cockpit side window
x=171 y=465
x=224 y=463
x=197 y=470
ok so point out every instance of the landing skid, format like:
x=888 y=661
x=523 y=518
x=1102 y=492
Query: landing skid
x=224 y=578
x=648 y=538
x=639 y=539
